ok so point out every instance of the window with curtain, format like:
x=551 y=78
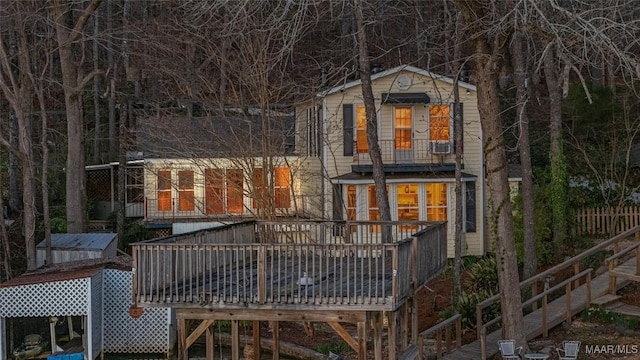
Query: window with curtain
x=362 y=145
x=214 y=191
x=235 y=191
x=439 y=123
x=282 y=187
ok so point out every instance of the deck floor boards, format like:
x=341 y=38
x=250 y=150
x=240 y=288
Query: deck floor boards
x=556 y=311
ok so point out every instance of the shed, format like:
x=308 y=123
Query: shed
x=98 y=292
x=73 y=247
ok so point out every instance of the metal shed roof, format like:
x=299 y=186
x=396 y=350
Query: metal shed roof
x=84 y=241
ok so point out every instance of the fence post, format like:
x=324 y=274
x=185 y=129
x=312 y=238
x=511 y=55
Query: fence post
x=545 y=330
x=483 y=343
x=612 y=279
x=588 y=301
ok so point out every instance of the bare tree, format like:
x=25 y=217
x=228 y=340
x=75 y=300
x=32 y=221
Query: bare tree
x=18 y=90
x=372 y=118
x=489 y=48
x=73 y=83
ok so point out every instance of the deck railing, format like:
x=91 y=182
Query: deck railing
x=262 y=263
x=411 y=152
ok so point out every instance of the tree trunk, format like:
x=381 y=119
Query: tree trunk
x=558 y=165
x=45 y=171
x=372 y=123
x=75 y=172
x=487 y=53
x=518 y=55
x=4 y=238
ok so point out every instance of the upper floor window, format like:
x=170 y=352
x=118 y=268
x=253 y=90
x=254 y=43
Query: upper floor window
x=260 y=192
x=440 y=123
x=164 y=190
x=403 y=127
x=362 y=145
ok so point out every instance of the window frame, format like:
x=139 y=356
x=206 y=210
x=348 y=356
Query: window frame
x=431 y=120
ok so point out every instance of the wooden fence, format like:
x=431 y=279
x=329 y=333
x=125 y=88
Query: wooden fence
x=606 y=220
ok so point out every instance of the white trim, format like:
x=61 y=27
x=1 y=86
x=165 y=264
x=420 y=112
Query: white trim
x=395 y=70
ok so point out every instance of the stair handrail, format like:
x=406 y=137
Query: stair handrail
x=575 y=260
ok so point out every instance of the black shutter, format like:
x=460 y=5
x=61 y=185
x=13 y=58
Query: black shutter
x=337 y=205
x=470 y=203
x=455 y=109
x=337 y=202
x=347 y=129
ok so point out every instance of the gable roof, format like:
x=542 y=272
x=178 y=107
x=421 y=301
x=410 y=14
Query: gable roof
x=397 y=70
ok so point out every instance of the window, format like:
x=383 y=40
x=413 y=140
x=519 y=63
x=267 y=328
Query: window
x=351 y=203
x=185 y=190
x=362 y=145
x=437 y=202
x=235 y=188
x=440 y=123
x=403 y=126
x=374 y=210
x=408 y=202
x=214 y=191
x=164 y=190
x=282 y=188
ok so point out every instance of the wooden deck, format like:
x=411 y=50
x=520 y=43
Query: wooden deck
x=289 y=265
x=556 y=312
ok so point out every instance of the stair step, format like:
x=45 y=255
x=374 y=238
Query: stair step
x=605 y=300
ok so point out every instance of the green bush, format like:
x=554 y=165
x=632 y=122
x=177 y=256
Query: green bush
x=483 y=276
x=336 y=348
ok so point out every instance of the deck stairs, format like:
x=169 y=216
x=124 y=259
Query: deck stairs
x=556 y=314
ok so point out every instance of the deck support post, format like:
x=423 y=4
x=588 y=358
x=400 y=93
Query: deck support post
x=256 y=339
x=209 y=342
x=235 y=340
x=183 y=352
x=414 y=320
x=392 y=326
x=376 y=325
x=404 y=326
x=275 y=328
x=362 y=340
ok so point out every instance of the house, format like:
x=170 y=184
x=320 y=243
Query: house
x=416 y=137
x=316 y=164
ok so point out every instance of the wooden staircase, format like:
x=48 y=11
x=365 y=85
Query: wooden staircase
x=580 y=293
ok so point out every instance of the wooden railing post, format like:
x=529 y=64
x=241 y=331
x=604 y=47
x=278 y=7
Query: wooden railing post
x=612 y=279
x=588 y=300
x=483 y=343
x=534 y=292
x=638 y=260
x=478 y=320
x=262 y=274
x=545 y=330
x=569 y=313
x=459 y=331
x=576 y=271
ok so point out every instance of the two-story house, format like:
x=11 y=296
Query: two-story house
x=416 y=137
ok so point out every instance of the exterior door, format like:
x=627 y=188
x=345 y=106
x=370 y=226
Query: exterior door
x=403 y=127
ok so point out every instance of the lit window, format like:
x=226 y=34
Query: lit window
x=235 y=188
x=185 y=190
x=214 y=191
x=403 y=128
x=437 y=202
x=362 y=145
x=282 y=188
x=439 y=123
x=408 y=202
x=351 y=202
x=164 y=190
x=374 y=210
x=260 y=194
